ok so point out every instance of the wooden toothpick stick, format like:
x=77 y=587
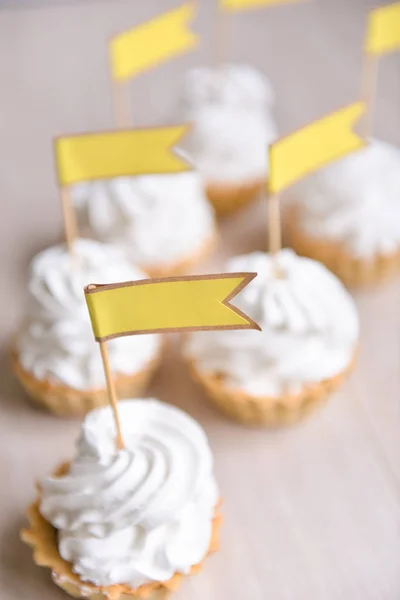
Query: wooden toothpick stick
x=221 y=34
x=274 y=230
x=112 y=396
x=122 y=104
x=368 y=91
x=70 y=226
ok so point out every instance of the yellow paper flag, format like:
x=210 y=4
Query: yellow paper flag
x=118 y=153
x=152 y=43
x=197 y=302
x=314 y=146
x=383 y=29
x=237 y=5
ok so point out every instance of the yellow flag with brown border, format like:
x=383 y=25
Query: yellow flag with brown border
x=293 y=157
x=383 y=29
x=188 y=303
x=118 y=153
x=238 y=5
x=152 y=43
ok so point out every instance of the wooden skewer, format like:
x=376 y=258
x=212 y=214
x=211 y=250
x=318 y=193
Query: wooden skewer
x=122 y=105
x=221 y=35
x=275 y=231
x=112 y=396
x=70 y=225
x=368 y=92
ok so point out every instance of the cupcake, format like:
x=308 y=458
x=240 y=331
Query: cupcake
x=163 y=223
x=347 y=215
x=230 y=110
x=129 y=523
x=307 y=345
x=54 y=353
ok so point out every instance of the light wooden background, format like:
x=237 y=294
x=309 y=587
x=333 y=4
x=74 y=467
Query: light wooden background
x=312 y=512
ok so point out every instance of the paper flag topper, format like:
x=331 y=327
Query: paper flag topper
x=314 y=146
x=118 y=153
x=383 y=30
x=152 y=43
x=168 y=304
x=237 y=5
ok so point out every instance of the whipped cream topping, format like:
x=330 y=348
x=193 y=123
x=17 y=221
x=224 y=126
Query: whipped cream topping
x=231 y=123
x=56 y=342
x=143 y=513
x=155 y=219
x=229 y=143
x=239 y=85
x=354 y=201
x=309 y=328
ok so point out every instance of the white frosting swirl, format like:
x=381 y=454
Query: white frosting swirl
x=309 y=328
x=232 y=125
x=229 y=143
x=355 y=201
x=56 y=343
x=140 y=514
x=156 y=219
x=228 y=84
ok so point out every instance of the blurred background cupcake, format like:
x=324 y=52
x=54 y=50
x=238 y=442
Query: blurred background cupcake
x=163 y=223
x=55 y=355
x=229 y=107
x=307 y=345
x=347 y=215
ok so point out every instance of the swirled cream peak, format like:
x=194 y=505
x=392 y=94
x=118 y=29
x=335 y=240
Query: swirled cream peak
x=229 y=143
x=231 y=123
x=309 y=328
x=141 y=514
x=228 y=84
x=355 y=201
x=56 y=342
x=156 y=219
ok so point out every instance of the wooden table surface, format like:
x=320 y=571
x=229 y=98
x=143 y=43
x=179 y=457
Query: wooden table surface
x=311 y=512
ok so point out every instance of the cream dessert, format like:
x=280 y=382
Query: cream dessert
x=309 y=335
x=133 y=519
x=230 y=110
x=348 y=214
x=55 y=347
